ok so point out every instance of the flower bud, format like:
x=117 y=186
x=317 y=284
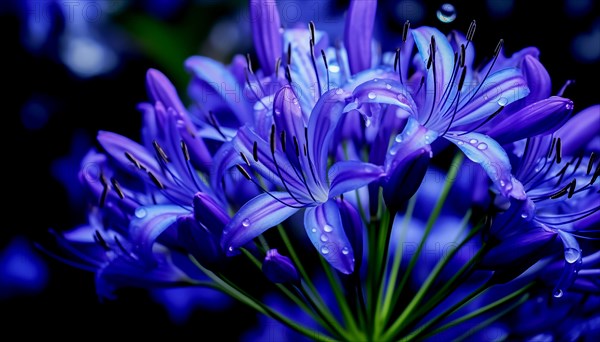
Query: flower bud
x=279 y=269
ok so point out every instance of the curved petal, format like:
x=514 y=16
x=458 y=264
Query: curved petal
x=517 y=246
x=580 y=130
x=266 y=25
x=355 y=229
x=162 y=90
x=209 y=213
x=259 y=214
x=324 y=228
x=542 y=117
x=351 y=175
x=389 y=92
x=358 y=33
x=199 y=241
x=486 y=152
x=149 y=223
x=537 y=77
x=216 y=80
x=498 y=90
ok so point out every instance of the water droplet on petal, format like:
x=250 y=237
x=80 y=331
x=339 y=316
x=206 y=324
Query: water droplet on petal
x=461 y=143
x=245 y=222
x=482 y=146
x=569 y=105
x=572 y=255
x=524 y=215
x=502 y=183
x=446 y=13
x=327 y=228
x=339 y=91
x=473 y=141
x=230 y=248
x=372 y=95
x=324 y=250
x=314 y=230
x=345 y=251
x=388 y=86
x=324 y=238
x=502 y=101
x=140 y=213
x=398 y=138
x=375 y=79
x=558 y=293
x=295 y=101
x=368 y=122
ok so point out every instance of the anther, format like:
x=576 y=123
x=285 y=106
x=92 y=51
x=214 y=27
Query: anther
x=243 y=171
x=461 y=80
x=282 y=139
x=498 y=47
x=245 y=158
x=405 y=29
x=462 y=55
x=272 y=139
x=296 y=146
x=160 y=152
x=255 y=151
x=561 y=192
x=572 y=186
x=324 y=59
x=100 y=240
x=156 y=181
x=289 y=54
x=591 y=163
x=277 y=64
x=471 y=31
x=396 y=59
x=184 y=150
x=133 y=160
x=288 y=74
x=311 y=26
x=117 y=188
x=249 y=62
x=558 y=150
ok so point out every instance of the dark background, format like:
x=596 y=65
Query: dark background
x=35 y=200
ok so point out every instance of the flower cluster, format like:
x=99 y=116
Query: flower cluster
x=329 y=170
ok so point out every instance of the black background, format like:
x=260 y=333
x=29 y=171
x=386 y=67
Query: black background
x=33 y=200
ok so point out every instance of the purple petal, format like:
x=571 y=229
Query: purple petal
x=354 y=228
x=279 y=269
x=537 y=77
x=541 y=117
x=209 y=213
x=162 y=90
x=580 y=130
x=264 y=18
x=517 y=246
x=199 y=241
x=321 y=126
x=499 y=89
x=149 y=223
x=259 y=214
x=358 y=33
x=351 y=175
x=389 y=92
x=486 y=152
x=213 y=79
x=324 y=228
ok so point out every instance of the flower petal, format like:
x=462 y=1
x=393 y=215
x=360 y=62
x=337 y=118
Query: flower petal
x=149 y=223
x=389 y=92
x=518 y=246
x=351 y=175
x=162 y=90
x=580 y=130
x=358 y=33
x=499 y=89
x=266 y=25
x=486 y=152
x=355 y=229
x=541 y=117
x=199 y=241
x=214 y=80
x=209 y=213
x=324 y=228
x=259 y=214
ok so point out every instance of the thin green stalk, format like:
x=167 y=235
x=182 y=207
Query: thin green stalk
x=483 y=310
x=229 y=289
x=297 y=263
x=341 y=299
x=384 y=311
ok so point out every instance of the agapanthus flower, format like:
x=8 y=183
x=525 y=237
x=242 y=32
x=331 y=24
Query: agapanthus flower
x=317 y=165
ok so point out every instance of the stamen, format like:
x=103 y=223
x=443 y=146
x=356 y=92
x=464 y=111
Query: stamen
x=255 y=151
x=104 y=194
x=561 y=192
x=249 y=62
x=311 y=26
x=551 y=149
x=243 y=171
x=591 y=163
x=288 y=74
x=488 y=119
x=100 y=240
x=314 y=63
x=272 y=139
x=558 y=151
x=405 y=29
x=499 y=47
x=326 y=67
x=461 y=81
x=289 y=54
x=462 y=55
x=282 y=140
x=156 y=181
x=245 y=158
x=184 y=150
x=133 y=160
x=117 y=188
x=564 y=87
x=160 y=152
x=561 y=173
x=277 y=64
x=213 y=119
x=296 y=146
x=471 y=31
x=572 y=186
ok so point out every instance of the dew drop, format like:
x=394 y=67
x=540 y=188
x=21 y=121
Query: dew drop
x=473 y=141
x=345 y=251
x=140 y=213
x=339 y=91
x=461 y=143
x=245 y=222
x=230 y=249
x=277 y=111
x=388 y=86
x=502 y=101
x=368 y=122
x=325 y=250
x=558 y=293
x=372 y=95
x=375 y=80
x=502 y=183
x=324 y=238
x=572 y=255
x=482 y=146
x=398 y=138
x=524 y=215
x=327 y=228
x=446 y=13
x=314 y=230
x=295 y=101
x=569 y=105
